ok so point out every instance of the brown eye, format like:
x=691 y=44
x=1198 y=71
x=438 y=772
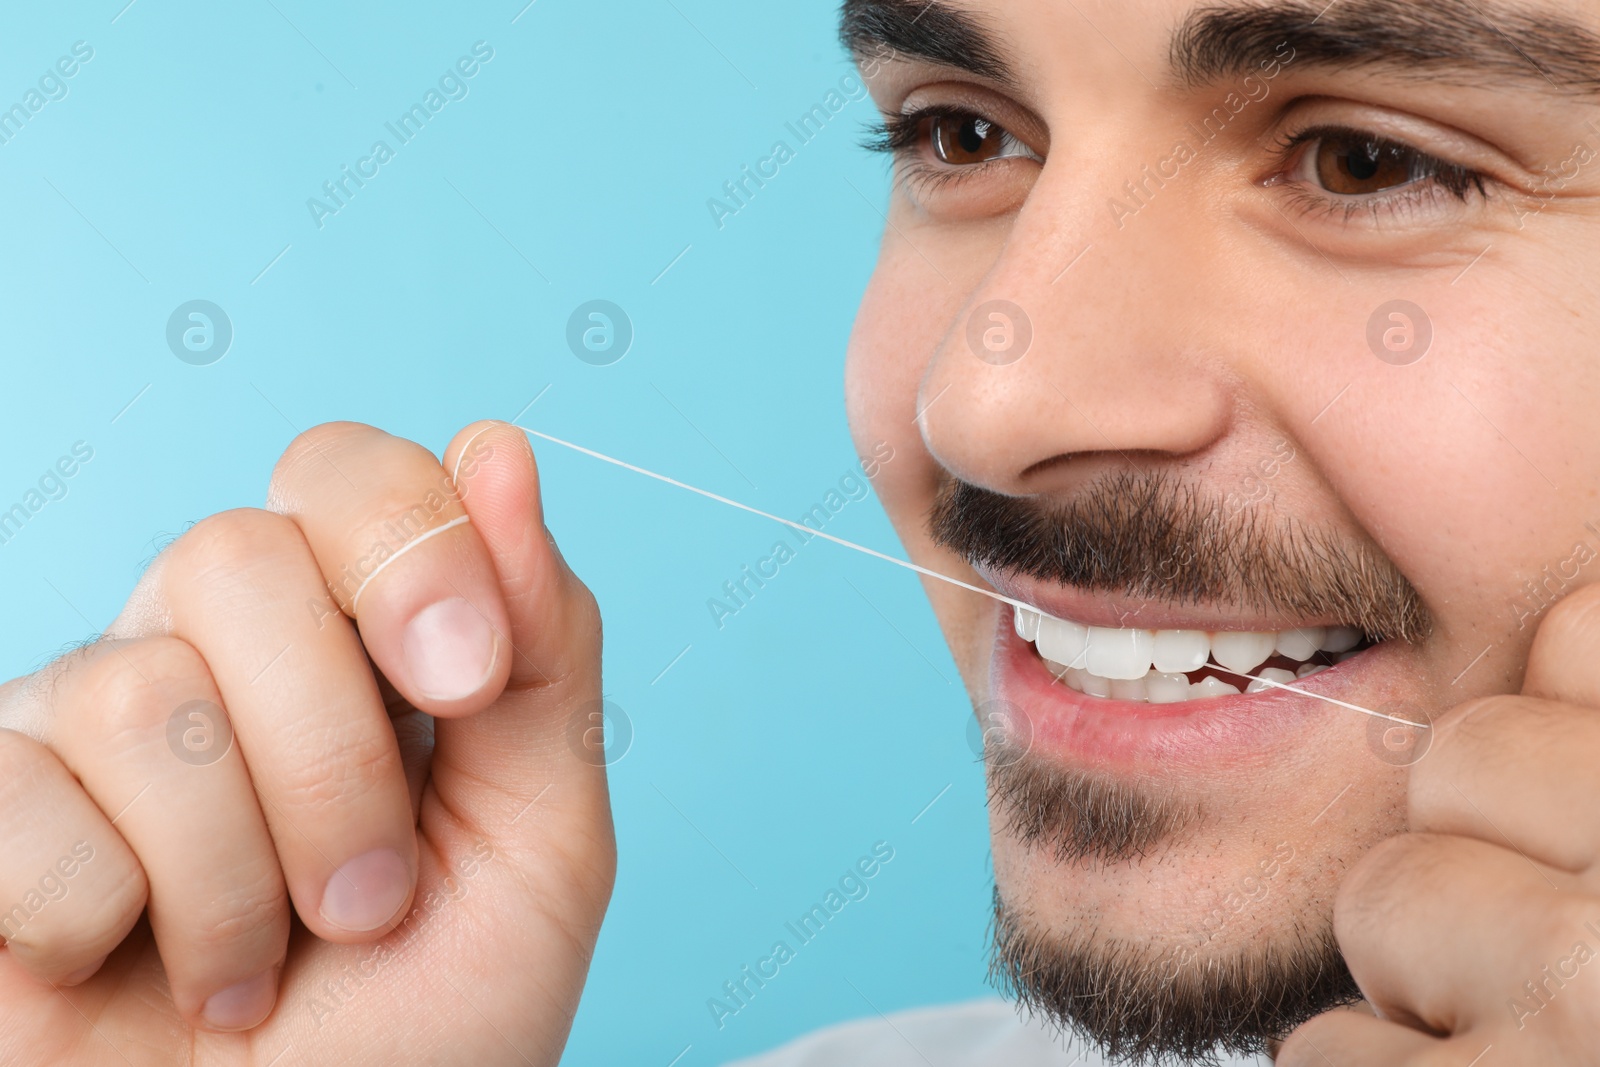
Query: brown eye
x=966 y=139
x=1355 y=166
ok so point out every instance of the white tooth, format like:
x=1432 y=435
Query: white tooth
x=1073 y=679
x=1301 y=643
x=1094 y=685
x=1177 y=651
x=1119 y=653
x=1341 y=657
x=1306 y=670
x=1026 y=622
x=1242 y=650
x=1271 y=674
x=1341 y=639
x=1128 y=689
x=1057 y=669
x=1062 y=641
x=1212 y=687
x=1163 y=688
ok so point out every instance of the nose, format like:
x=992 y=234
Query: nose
x=1074 y=356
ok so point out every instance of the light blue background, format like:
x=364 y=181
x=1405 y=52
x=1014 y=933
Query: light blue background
x=776 y=751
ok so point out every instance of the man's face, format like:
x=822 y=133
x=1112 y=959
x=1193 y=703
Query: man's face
x=1201 y=409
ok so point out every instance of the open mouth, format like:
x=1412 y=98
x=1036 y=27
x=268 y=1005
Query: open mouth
x=1199 y=685
x=1175 y=666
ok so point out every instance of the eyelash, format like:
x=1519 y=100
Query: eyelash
x=896 y=135
x=1432 y=176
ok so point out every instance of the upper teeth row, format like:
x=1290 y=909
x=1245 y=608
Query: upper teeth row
x=1117 y=653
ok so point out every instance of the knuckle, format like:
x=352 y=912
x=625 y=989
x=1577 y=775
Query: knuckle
x=1574 y=615
x=1301 y=1047
x=335 y=773
x=120 y=902
x=315 y=444
x=1489 y=736
x=128 y=685
x=242 y=913
x=233 y=542
x=1478 y=719
x=20 y=766
x=585 y=618
x=305 y=462
x=1381 y=879
x=1475 y=733
x=93 y=926
x=574 y=615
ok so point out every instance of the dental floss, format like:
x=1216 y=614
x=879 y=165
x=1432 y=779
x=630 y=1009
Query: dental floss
x=914 y=567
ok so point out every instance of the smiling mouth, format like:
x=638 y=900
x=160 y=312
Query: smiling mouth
x=1175 y=666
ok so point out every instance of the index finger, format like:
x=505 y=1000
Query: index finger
x=1566 y=649
x=1516 y=772
x=399 y=555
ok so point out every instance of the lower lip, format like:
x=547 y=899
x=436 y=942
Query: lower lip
x=1072 y=727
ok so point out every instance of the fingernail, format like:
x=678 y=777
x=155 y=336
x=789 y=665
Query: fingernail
x=366 y=892
x=449 y=649
x=83 y=974
x=241 y=1006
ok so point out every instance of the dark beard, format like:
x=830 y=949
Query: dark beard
x=1141 y=1002
x=1078 y=815
x=1138 y=1006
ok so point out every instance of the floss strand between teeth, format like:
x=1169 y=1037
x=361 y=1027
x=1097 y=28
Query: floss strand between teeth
x=909 y=565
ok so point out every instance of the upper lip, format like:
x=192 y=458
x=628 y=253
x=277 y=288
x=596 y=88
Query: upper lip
x=1120 y=611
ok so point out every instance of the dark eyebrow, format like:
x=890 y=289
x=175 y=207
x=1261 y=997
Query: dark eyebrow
x=921 y=29
x=1453 y=41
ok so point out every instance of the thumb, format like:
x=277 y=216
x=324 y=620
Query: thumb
x=1561 y=662
x=530 y=766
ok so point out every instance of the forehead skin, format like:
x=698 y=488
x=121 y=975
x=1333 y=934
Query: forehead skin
x=1220 y=317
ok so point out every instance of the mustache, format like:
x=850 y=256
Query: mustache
x=1149 y=535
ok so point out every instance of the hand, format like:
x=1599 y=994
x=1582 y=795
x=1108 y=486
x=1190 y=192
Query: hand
x=1480 y=929
x=406 y=766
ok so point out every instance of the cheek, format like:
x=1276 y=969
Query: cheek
x=924 y=276
x=1449 y=463
x=897 y=331
x=894 y=337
